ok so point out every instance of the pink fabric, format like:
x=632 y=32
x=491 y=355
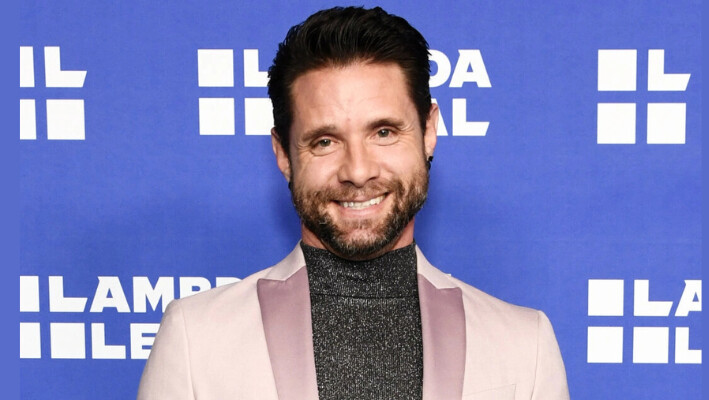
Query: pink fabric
x=443 y=331
x=285 y=311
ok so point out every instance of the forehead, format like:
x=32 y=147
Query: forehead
x=350 y=94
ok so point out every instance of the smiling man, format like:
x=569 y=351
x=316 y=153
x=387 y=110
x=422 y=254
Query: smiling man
x=356 y=159
x=355 y=311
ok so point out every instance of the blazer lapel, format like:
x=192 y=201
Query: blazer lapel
x=285 y=311
x=443 y=333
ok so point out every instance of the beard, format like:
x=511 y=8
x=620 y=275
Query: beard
x=366 y=237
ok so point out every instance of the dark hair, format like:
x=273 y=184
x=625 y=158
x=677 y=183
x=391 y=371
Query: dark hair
x=341 y=36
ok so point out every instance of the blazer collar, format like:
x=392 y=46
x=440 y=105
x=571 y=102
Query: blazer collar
x=284 y=298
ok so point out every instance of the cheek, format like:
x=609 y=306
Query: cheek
x=400 y=164
x=315 y=175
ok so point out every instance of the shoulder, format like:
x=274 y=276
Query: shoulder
x=487 y=317
x=240 y=295
x=225 y=317
x=512 y=344
x=219 y=298
x=481 y=305
x=201 y=336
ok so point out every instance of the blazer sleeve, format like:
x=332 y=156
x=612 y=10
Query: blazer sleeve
x=167 y=371
x=550 y=375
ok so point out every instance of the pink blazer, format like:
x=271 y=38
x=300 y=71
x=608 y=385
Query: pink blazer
x=253 y=340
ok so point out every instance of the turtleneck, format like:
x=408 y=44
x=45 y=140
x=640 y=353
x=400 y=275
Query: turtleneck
x=366 y=325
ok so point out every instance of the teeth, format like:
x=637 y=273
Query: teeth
x=363 y=204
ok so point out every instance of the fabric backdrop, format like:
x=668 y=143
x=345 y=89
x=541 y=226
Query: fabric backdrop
x=567 y=176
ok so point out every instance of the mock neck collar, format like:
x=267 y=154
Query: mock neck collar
x=392 y=274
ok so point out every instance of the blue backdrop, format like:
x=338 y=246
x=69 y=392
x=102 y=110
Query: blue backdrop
x=569 y=178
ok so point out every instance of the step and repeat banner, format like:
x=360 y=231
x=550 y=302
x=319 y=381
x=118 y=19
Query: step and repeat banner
x=567 y=176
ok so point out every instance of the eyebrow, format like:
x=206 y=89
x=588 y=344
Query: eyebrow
x=319 y=131
x=395 y=123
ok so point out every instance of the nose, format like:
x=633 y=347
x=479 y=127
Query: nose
x=358 y=165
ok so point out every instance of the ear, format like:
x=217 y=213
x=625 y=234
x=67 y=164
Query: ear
x=430 y=135
x=281 y=154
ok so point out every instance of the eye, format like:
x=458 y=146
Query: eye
x=386 y=136
x=323 y=143
x=323 y=146
x=383 y=133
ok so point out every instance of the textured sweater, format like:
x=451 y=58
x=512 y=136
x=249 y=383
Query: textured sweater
x=366 y=325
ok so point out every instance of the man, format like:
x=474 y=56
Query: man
x=355 y=311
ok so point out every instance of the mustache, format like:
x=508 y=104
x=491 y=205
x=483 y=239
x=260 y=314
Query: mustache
x=349 y=191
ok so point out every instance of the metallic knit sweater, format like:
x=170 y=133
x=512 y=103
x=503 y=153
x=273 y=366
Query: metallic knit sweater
x=366 y=325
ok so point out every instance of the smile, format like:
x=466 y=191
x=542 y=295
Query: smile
x=358 y=205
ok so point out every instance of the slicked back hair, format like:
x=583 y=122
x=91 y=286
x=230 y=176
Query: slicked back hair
x=343 y=36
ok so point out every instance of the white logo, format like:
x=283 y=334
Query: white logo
x=469 y=68
x=666 y=122
x=651 y=344
x=67 y=340
x=216 y=114
x=65 y=117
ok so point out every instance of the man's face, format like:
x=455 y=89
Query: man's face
x=357 y=158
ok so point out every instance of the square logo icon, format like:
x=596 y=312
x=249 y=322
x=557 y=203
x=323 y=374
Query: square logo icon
x=215 y=67
x=651 y=345
x=616 y=123
x=605 y=344
x=216 y=116
x=65 y=119
x=617 y=70
x=605 y=297
x=666 y=123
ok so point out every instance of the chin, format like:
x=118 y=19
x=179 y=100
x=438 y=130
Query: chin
x=361 y=245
